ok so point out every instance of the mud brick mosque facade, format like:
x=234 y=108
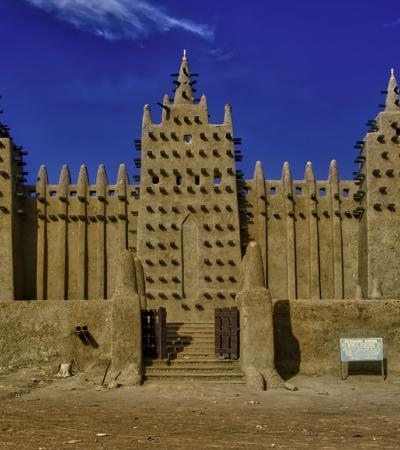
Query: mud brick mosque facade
x=191 y=215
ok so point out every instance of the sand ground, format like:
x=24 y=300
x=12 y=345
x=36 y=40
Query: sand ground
x=38 y=411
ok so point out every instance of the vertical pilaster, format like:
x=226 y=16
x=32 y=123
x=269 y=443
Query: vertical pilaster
x=122 y=182
x=61 y=272
x=290 y=232
x=41 y=251
x=7 y=266
x=337 y=249
x=315 y=288
x=260 y=215
x=82 y=188
x=101 y=184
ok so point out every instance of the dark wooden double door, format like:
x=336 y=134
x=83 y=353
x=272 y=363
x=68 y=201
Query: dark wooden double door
x=154 y=333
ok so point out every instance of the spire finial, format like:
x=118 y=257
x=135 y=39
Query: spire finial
x=184 y=90
x=309 y=172
x=392 y=97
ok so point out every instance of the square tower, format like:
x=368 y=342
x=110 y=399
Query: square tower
x=379 y=187
x=188 y=225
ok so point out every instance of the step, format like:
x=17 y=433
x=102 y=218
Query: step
x=150 y=380
x=190 y=324
x=186 y=340
x=184 y=357
x=191 y=355
x=201 y=368
x=191 y=359
x=190 y=336
x=191 y=333
x=192 y=348
x=179 y=364
x=195 y=375
x=197 y=357
x=185 y=372
x=191 y=351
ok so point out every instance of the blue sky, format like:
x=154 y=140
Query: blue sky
x=303 y=77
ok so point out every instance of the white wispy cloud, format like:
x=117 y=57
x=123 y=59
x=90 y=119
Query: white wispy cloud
x=394 y=23
x=121 y=19
x=220 y=54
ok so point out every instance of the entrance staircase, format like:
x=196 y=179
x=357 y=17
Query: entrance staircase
x=191 y=356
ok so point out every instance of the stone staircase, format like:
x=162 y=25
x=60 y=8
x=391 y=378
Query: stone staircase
x=191 y=356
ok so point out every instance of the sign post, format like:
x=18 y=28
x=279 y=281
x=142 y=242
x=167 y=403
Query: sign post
x=361 y=349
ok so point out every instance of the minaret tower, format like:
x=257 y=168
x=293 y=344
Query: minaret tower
x=11 y=215
x=188 y=226
x=379 y=187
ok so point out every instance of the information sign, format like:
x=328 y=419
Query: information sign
x=361 y=349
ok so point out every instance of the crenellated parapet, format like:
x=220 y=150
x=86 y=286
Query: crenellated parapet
x=309 y=228
x=81 y=228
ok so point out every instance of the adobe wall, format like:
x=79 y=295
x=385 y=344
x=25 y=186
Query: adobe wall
x=40 y=331
x=307 y=332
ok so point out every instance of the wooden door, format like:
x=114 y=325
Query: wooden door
x=227 y=333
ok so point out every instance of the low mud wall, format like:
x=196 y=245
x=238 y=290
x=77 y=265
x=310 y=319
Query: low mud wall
x=34 y=332
x=307 y=332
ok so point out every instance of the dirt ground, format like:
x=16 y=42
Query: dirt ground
x=38 y=411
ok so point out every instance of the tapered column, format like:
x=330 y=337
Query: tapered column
x=260 y=215
x=60 y=285
x=315 y=288
x=290 y=232
x=83 y=181
x=41 y=249
x=122 y=182
x=337 y=248
x=101 y=184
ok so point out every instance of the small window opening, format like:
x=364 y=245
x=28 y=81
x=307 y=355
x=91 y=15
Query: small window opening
x=197 y=180
x=298 y=191
x=92 y=193
x=73 y=193
x=217 y=177
x=111 y=193
x=179 y=180
x=155 y=179
x=322 y=192
x=53 y=194
x=272 y=191
x=32 y=194
x=187 y=138
x=345 y=193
